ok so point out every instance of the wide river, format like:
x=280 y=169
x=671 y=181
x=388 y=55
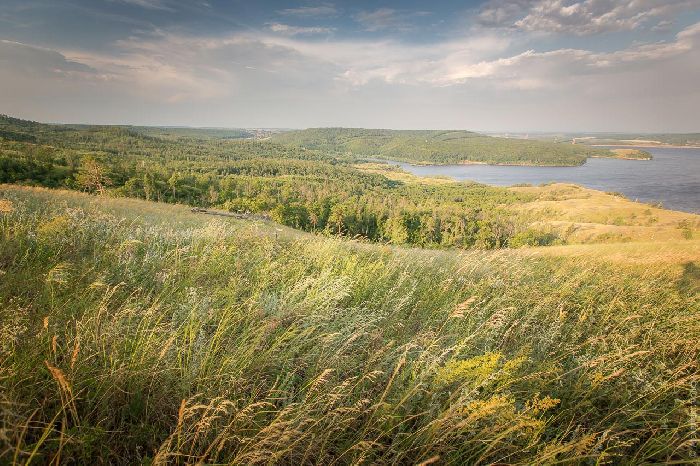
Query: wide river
x=672 y=177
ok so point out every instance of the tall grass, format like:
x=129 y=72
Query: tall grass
x=162 y=337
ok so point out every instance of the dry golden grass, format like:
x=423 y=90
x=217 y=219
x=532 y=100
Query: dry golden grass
x=140 y=211
x=637 y=253
x=588 y=216
x=396 y=174
x=5 y=206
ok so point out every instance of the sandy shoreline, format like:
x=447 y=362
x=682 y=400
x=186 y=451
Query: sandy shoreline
x=470 y=162
x=620 y=158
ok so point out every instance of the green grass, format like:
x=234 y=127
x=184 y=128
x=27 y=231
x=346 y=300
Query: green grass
x=139 y=332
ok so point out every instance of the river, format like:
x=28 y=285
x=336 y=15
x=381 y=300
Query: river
x=672 y=177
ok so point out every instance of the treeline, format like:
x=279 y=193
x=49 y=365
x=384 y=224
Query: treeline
x=440 y=147
x=676 y=139
x=305 y=189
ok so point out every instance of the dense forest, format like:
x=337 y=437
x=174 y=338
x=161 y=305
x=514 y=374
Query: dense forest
x=309 y=189
x=437 y=146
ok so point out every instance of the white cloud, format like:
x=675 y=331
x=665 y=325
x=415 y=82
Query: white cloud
x=387 y=19
x=580 y=17
x=149 y=4
x=663 y=26
x=270 y=78
x=30 y=59
x=324 y=9
x=361 y=62
x=459 y=61
x=562 y=67
x=185 y=67
x=502 y=12
x=298 y=30
x=383 y=18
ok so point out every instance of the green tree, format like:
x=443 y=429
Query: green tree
x=91 y=176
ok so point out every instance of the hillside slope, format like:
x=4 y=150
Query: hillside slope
x=17 y=129
x=142 y=332
x=438 y=146
x=573 y=214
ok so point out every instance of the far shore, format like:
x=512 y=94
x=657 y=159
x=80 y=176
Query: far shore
x=619 y=157
x=645 y=146
x=472 y=162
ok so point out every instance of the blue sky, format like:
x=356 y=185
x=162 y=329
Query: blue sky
x=495 y=65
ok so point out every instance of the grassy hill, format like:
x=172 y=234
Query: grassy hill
x=141 y=332
x=438 y=146
x=136 y=331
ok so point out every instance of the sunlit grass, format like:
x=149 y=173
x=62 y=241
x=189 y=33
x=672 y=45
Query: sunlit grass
x=140 y=332
x=588 y=216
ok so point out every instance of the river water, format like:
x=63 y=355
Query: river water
x=672 y=177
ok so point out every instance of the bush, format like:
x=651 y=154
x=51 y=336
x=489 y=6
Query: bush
x=532 y=237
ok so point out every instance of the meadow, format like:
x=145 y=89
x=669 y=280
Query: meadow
x=133 y=331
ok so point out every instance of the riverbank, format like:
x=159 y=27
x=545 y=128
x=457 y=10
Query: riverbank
x=478 y=163
x=645 y=146
x=579 y=215
x=672 y=177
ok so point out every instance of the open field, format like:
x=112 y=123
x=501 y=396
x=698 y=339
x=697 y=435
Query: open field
x=393 y=172
x=143 y=332
x=586 y=215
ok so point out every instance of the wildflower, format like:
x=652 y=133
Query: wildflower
x=475 y=370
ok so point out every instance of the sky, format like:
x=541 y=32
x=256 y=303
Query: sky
x=494 y=65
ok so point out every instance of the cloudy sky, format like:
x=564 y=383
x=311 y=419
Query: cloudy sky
x=494 y=65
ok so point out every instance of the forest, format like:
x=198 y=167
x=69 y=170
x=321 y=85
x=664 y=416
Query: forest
x=310 y=189
x=441 y=147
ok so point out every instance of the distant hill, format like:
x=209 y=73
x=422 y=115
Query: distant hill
x=196 y=133
x=636 y=139
x=438 y=146
x=16 y=129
